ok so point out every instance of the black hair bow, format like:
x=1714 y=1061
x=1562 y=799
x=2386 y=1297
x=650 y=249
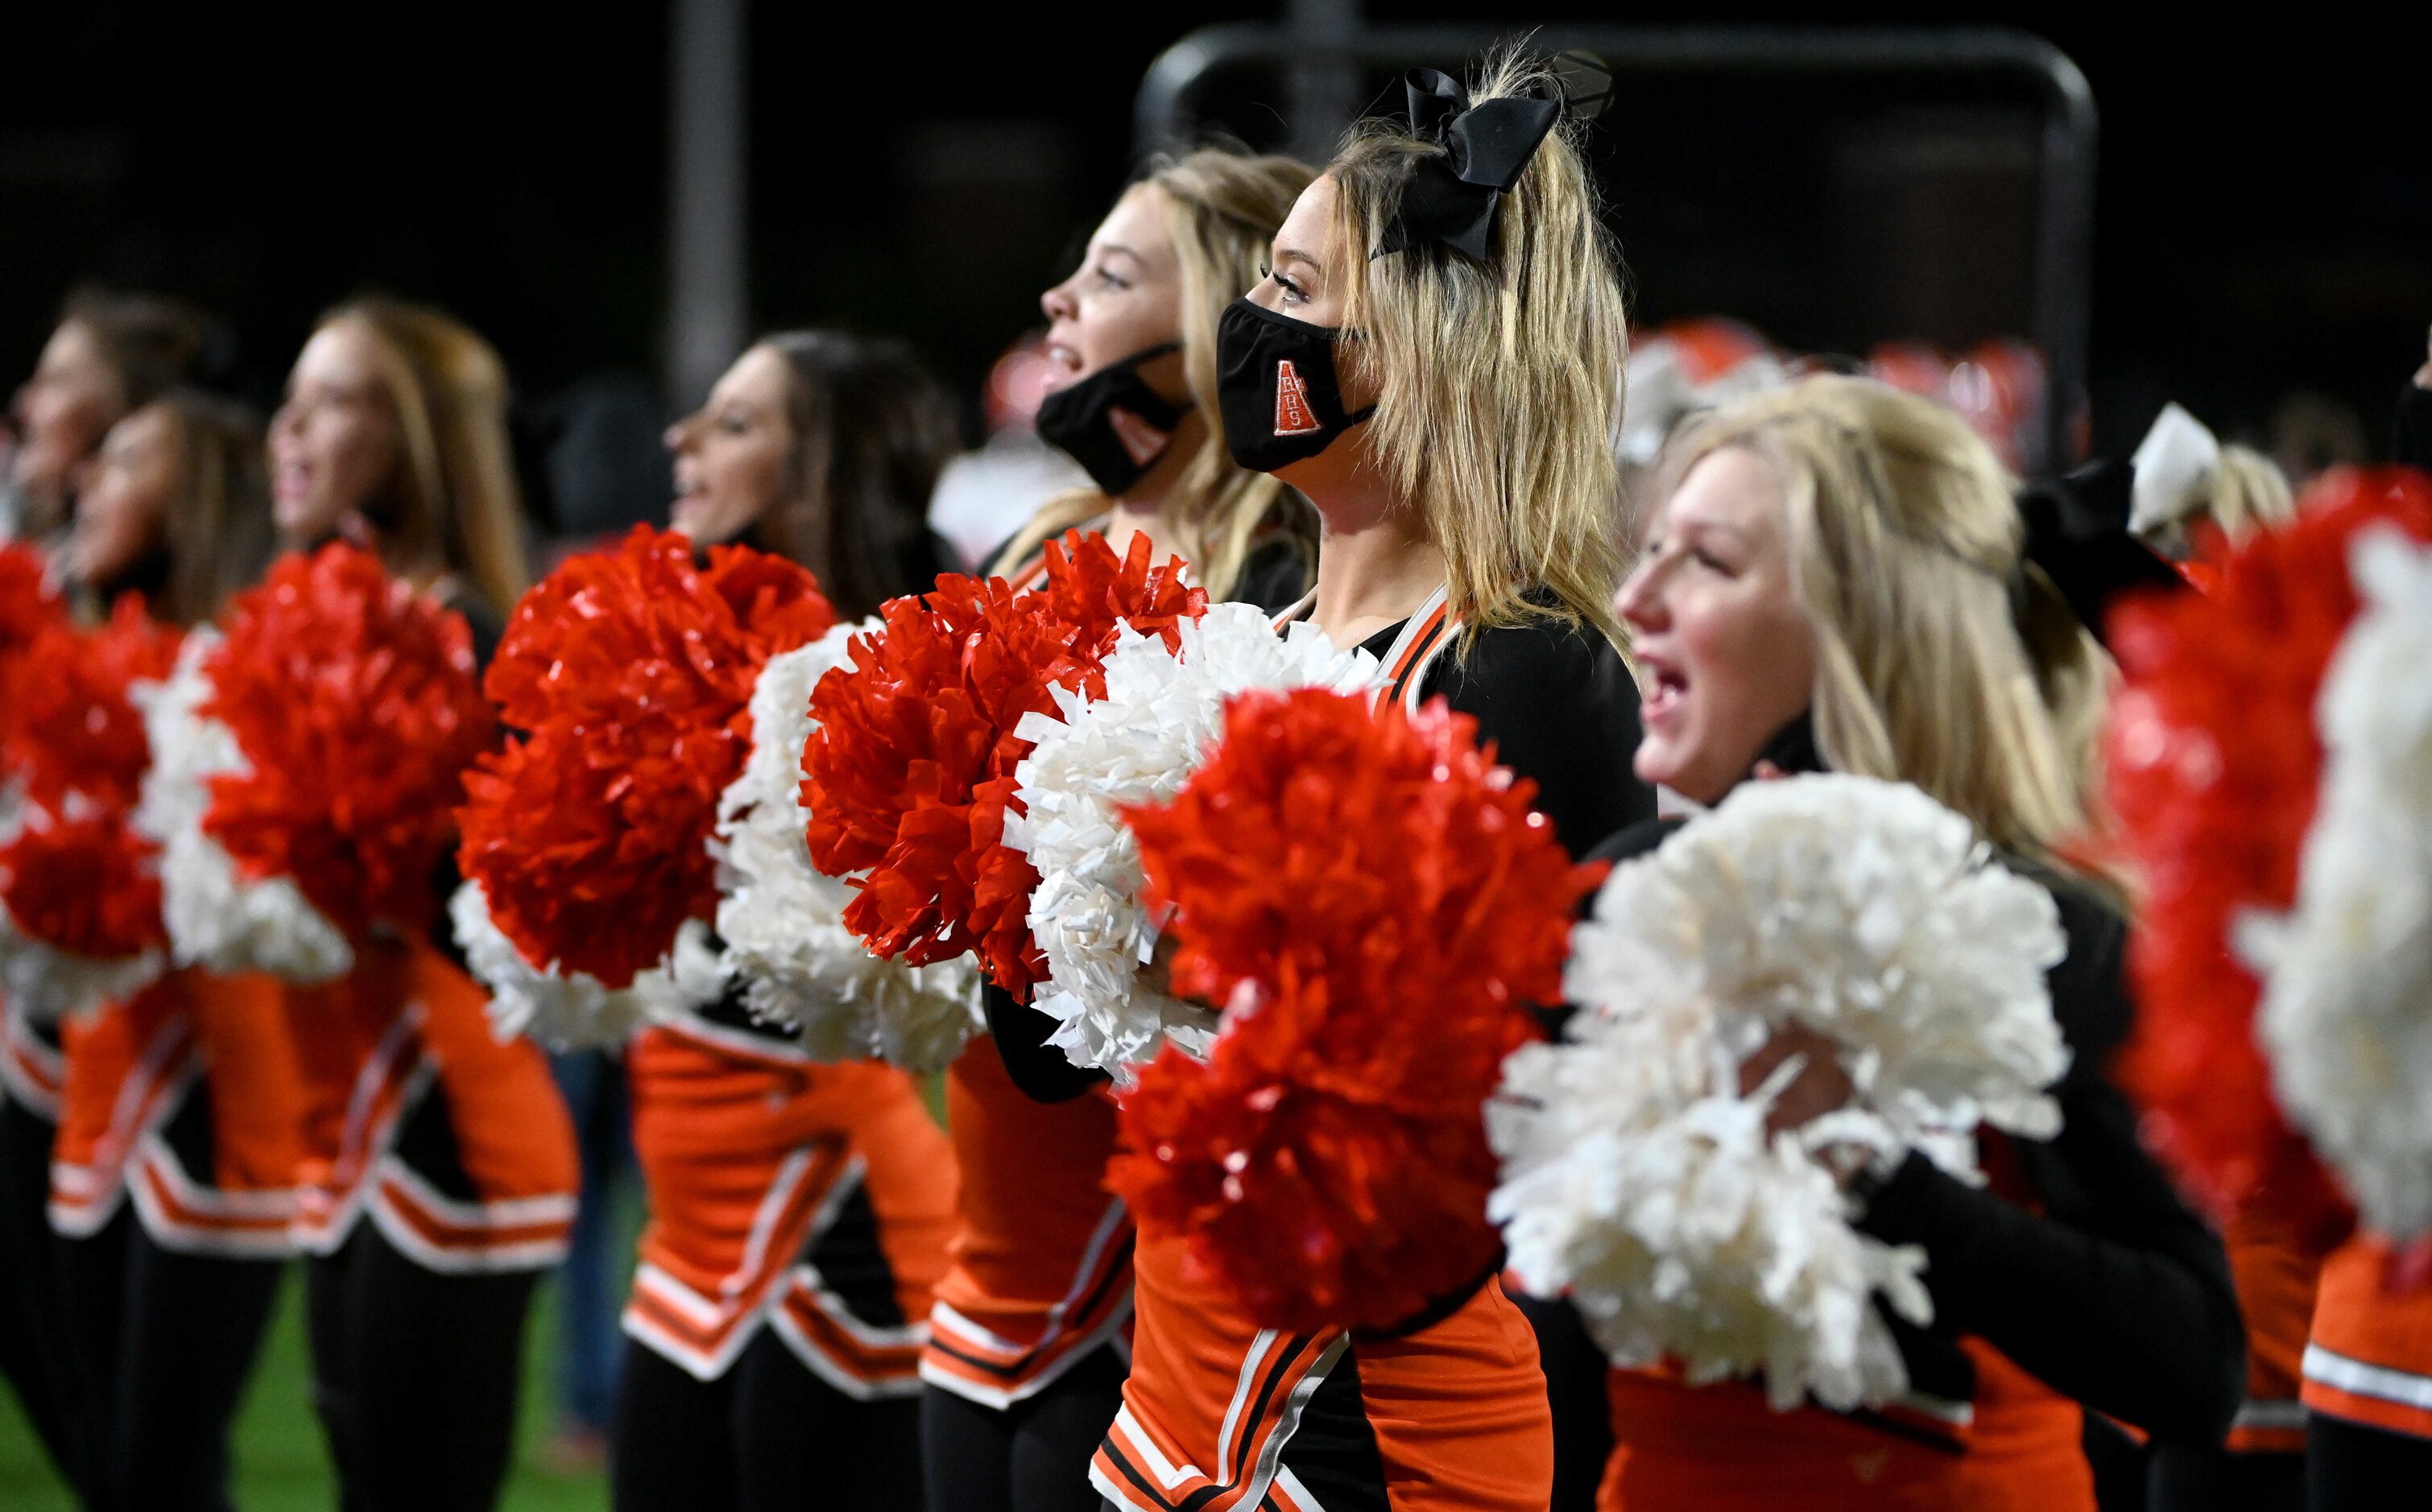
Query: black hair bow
x=1452 y=199
x=2077 y=533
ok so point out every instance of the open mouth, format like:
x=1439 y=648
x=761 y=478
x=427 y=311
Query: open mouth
x=1666 y=689
x=1063 y=366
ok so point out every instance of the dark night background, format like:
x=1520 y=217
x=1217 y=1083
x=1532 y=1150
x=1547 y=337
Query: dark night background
x=2264 y=222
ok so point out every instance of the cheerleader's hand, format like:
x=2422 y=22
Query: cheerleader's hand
x=1156 y=972
x=1819 y=1086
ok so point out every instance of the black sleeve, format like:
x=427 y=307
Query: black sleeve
x=2411 y=436
x=2116 y=1294
x=488 y=629
x=1040 y=1069
x=1276 y=573
x=1562 y=710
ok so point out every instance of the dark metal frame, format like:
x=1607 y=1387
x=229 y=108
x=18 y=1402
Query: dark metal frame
x=2064 y=263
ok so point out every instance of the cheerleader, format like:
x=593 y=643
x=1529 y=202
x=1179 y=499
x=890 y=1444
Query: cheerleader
x=172 y=1179
x=107 y=355
x=1833 y=578
x=799 y=1211
x=2189 y=491
x=2187 y=484
x=439 y=1172
x=1456 y=451
x=1024 y=1365
x=1131 y=386
x=394 y=435
x=2368 y=1363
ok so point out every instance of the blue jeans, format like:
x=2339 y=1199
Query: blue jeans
x=588 y=1340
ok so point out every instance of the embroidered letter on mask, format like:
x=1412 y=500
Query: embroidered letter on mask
x=1293 y=416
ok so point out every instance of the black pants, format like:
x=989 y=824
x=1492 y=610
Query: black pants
x=34 y=1351
x=2350 y=1468
x=766 y=1437
x=2215 y=1480
x=414 y=1376
x=1035 y=1456
x=1576 y=1369
x=164 y=1344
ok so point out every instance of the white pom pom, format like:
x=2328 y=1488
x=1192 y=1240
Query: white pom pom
x=1139 y=744
x=782 y=919
x=46 y=982
x=2347 y=1005
x=1637 y=1178
x=215 y=917
x=576 y=1012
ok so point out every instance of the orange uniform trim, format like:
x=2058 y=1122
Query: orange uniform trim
x=2015 y=1449
x=702 y=1322
x=749 y=1151
x=1042 y=1257
x=2370 y=1360
x=975 y=1362
x=1457 y=1410
x=457 y=1237
x=128 y=1067
x=330 y=1189
x=2276 y=1277
x=864 y=1361
x=1145 y=1469
x=194 y=1219
x=371 y=1047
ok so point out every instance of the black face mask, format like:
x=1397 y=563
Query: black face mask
x=1079 y=420
x=1275 y=385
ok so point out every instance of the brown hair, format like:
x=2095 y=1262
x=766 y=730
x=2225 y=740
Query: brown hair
x=453 y=507
x=1221 y=207
x=218 y=529
x=151 y=342
x=873 y=429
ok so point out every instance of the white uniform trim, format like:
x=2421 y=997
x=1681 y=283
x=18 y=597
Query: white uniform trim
x=2358 y=1378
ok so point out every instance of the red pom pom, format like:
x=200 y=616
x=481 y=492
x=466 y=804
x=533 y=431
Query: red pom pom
x=83 y=881
x=353 y=699
x=615 y=632
x=1379 y=905
x=910 y=769
x=634 y=669
x=26 y=604
x=2213 y=766
x=26 y=601
x=78 y=876
x=72 y=725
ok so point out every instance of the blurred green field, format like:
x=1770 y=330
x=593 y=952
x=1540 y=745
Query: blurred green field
x=281 y=1465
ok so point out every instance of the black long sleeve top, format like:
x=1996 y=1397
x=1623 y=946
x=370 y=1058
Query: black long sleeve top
x=1561 y=708
x=2108 y=1290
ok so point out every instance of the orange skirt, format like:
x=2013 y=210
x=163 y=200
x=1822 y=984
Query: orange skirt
x=2015 y=1449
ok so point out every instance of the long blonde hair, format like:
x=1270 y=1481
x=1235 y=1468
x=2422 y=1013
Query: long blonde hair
x=1498 y=384
x=1221 y=207
x=454 y=507
x=1944 y=658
